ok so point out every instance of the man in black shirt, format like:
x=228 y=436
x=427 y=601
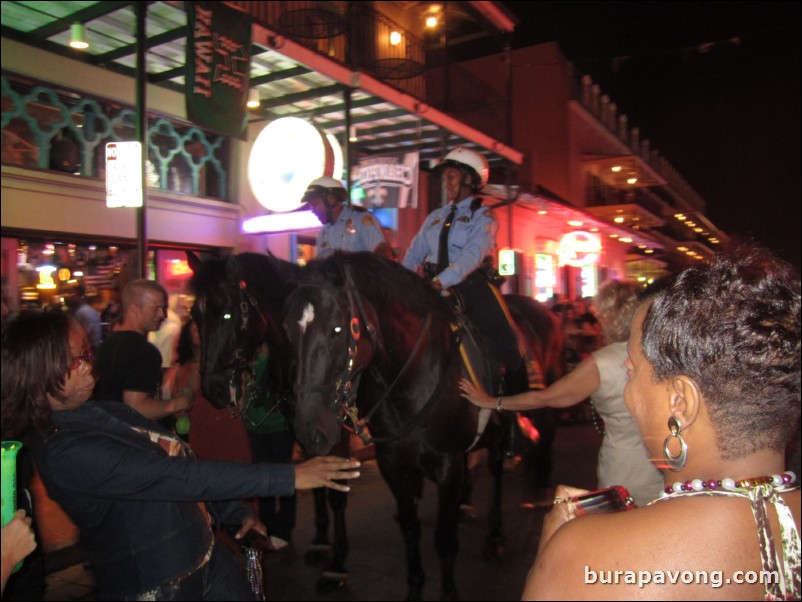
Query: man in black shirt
x=128 y=366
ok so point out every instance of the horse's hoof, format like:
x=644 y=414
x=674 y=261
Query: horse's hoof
x=493 y=549
x=317 y=553
x=331 y=581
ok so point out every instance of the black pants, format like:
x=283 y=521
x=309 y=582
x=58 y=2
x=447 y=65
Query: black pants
x=278 y=512
x=485 y=308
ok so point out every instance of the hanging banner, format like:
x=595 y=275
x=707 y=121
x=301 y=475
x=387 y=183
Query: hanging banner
x=390 y=181
x=218 y=66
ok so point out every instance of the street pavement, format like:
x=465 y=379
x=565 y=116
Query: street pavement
x=376 y=560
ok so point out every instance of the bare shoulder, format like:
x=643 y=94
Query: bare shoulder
x=677 y=549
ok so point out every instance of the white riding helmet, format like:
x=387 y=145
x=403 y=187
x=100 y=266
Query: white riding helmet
x=323 y=186
x=470 y=162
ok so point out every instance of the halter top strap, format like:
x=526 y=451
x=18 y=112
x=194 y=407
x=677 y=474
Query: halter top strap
x=788 y=585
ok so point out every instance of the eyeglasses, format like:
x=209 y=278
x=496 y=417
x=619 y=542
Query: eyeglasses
x=87 y=356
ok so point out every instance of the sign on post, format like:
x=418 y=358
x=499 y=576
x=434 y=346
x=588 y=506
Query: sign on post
x=506 y=262
x=124 y=174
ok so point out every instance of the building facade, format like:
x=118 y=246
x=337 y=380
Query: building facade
x=579 y=197
x=595 y=201
x=352 y=70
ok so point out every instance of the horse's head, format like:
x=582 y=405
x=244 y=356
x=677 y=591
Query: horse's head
x=329 y=327
x=231 y=326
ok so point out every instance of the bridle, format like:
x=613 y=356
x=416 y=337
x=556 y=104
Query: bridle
x=238 y=363
x=347 y=384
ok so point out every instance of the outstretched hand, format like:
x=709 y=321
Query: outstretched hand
x=322 y=472
x=474 y=395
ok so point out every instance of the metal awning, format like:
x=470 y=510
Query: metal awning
x=292 y=79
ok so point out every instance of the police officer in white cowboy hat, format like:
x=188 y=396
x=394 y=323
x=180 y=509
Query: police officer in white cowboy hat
x=345 y=227
x=454 y=246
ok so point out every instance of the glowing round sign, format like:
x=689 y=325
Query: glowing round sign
x=578 y=249
x=286 y=155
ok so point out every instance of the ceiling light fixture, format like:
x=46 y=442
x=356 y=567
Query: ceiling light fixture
x=78 y=36
x=253 y=99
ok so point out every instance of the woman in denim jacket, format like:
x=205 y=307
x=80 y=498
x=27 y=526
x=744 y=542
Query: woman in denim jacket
x=145 y=505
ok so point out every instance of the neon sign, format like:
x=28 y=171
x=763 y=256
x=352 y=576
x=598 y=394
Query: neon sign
x=578 y=249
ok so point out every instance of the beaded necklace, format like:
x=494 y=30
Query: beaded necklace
x=780 y=557
x=778 y=482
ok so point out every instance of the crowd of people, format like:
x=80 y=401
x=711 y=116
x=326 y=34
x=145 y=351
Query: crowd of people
x=697 y=380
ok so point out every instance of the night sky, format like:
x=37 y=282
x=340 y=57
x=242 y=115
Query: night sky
x=715 y=86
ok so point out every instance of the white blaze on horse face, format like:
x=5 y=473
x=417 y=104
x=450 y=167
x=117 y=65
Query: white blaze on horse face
x=307 y=317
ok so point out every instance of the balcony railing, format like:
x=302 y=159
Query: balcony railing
x=352 y=33
x=606 y=111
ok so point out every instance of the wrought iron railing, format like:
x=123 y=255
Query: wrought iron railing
x=48 y=128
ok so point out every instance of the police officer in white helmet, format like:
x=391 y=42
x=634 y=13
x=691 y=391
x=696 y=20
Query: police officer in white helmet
x=345 y=227
x=454 y=247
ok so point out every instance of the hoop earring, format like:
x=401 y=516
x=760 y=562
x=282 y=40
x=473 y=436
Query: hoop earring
x=675 y=463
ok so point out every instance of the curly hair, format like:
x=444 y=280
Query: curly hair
x=35 y=362
x=617 y=302
x=733 y=326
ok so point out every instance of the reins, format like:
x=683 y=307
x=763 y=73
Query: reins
x=345 y=390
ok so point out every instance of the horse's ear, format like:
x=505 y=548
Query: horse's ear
x=233 y=270
x=194 y=262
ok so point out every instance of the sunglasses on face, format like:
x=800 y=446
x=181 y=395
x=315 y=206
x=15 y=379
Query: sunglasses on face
x=88 y=355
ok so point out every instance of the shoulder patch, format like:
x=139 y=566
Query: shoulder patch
x=367 y=219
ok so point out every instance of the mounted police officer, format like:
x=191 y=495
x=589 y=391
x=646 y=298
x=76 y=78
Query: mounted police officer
x=345 y=227
x=454 y=246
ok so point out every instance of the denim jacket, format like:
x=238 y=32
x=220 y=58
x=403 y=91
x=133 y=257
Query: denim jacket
x=137 y=507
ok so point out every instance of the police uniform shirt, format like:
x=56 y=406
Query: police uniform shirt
x=353 y=231
x=472 y=238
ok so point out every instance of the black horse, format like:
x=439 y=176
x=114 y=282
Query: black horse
x=238 y=307
x=377 y=347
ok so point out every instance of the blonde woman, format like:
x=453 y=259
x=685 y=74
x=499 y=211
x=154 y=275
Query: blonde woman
x=622 y=457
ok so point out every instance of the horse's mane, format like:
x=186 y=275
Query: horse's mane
x=382 y=281
x=266 y=276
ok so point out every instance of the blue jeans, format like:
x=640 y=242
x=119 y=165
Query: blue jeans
x=221 y=578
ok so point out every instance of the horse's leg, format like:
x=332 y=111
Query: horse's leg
x=494 y=542
x=335 y=575
x=321 y=546
x=446 y=542
x=406 y=487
